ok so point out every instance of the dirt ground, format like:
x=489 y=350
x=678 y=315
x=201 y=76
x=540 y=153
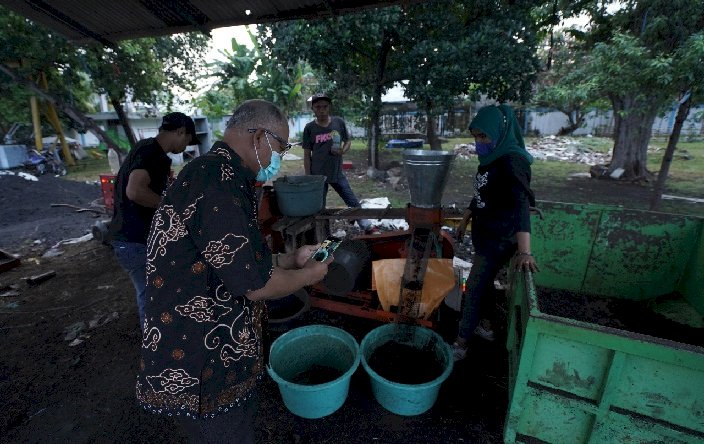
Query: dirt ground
x=28 y=223
x=70 y=344
x=52 y=391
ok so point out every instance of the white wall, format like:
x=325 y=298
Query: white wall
x=547 y=122
x=601 y=123
x=694 y=125
x=295 y=126
x=543 y=121
x=144 y=127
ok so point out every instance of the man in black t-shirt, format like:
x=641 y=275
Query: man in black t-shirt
x=325 y=140
x=142 y=179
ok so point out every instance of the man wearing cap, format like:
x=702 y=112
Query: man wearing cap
x=325 y=140
x=142 y=179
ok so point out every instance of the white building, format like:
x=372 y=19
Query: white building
x=143 y=127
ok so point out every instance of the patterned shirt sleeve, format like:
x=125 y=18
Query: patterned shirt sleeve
x=220 y=230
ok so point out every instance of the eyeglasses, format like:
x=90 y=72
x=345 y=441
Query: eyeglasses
x=285 y=146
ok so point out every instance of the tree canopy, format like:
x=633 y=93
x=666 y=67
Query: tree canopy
x=565 y=83
x=639 y=55
x=632 y=61
x=479 y=47
x=246 y=73
x=148 y=69
x=29 y=50
x=356 y=52
x=475 y=48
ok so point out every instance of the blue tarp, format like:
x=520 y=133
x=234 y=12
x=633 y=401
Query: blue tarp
x=405 y=143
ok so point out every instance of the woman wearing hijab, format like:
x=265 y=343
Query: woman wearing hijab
x=499 y=212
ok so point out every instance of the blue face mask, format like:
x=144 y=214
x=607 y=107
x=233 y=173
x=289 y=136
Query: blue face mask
x=484 y=148
x=272 y=170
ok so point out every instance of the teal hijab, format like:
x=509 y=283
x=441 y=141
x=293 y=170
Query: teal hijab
x=500 y=124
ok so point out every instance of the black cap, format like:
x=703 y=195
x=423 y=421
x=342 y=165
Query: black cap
x=174 y=121
x=319 y=96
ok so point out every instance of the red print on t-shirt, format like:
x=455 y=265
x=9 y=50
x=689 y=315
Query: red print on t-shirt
x=320 y=138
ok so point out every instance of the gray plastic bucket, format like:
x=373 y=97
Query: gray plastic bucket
x=427 y=173
x=398 y=398
x=299 y=196
x=303 y=348
x=350 y=259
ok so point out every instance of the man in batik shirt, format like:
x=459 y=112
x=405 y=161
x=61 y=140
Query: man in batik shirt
x=208 y=272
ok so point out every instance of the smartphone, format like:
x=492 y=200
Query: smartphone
x=326 y=248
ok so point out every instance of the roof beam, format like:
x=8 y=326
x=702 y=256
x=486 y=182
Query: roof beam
x=150 y=18
x=175 y=12
x=57 y=15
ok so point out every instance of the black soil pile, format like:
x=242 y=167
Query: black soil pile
x=27 y=218
x=405 y=363
x=624 y=314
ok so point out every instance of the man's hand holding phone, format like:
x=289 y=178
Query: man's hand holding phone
x=303 y=254
x=325 y=251
x=318 y=259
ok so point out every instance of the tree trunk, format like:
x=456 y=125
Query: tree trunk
x=575 y=119
x=374 y=135
x=682 y=113
x=566 y=130
x=375 y=112
x=433 y=139
x=450 y=122
x=633 y=123
x=430 y=133
x=124 y=121
x=551 y=48
x=370 y=130
x=70 y=111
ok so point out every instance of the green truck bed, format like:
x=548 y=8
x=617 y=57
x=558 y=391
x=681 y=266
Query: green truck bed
x=581 y=381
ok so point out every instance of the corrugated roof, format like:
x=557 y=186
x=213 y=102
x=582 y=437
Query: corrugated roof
x=113 y=20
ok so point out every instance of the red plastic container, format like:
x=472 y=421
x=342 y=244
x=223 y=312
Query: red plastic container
x=107 y=186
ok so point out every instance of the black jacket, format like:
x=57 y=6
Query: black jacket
x=502 y=201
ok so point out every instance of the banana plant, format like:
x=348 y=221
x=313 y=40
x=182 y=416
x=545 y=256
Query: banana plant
x=249 y=73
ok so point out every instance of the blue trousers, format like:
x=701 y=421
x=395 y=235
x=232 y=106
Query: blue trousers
x=344 y=190
x=132 y=257
x=485 y=267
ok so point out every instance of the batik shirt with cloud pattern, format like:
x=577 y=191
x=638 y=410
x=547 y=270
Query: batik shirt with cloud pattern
x=202 y=341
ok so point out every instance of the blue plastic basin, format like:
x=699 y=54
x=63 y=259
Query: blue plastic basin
x=406 y=399
x=304 y=348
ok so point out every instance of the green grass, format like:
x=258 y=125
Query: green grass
x=90 y=168
x=599 y=144
x=686 y=177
